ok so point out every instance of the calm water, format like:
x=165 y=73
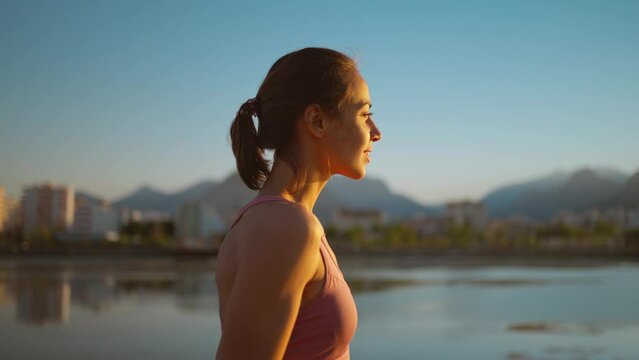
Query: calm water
x=166 y=309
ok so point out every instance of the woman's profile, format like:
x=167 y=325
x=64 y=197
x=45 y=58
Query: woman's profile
x=281 y=292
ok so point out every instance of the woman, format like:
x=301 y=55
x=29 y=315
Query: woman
x=281 y=292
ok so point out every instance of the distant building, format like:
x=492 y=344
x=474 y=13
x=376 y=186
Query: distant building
x=151 y=216
x=620 y=218
x=13 y=214
x=633 y=219
x=467 y=213
x=426 y=226
x=3 y=209
x=129 y=215
x=8 y=215
x=569 y=218
x=344 y=219
x=95 y=222
x=48 y=207
x=197 y=225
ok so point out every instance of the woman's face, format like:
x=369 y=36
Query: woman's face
x=353 y=134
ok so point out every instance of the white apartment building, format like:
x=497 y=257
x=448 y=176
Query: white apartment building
x=95 y=222
x=197 y=224
x=468 y=213
x=48 y=207
x=344 y=219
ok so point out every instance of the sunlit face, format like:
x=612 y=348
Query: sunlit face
x=352 y=138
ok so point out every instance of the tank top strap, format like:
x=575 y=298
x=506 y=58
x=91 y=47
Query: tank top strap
x=329 y=258
x=258 y=200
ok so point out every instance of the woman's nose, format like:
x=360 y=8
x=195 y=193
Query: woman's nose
x=376 y=134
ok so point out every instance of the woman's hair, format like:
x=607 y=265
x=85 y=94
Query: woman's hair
x=307 y=76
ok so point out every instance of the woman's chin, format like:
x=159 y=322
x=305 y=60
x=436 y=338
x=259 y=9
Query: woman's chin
x=355 y=174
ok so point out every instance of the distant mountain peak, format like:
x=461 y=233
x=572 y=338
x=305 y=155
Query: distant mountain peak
x=584 y=188
x=634 y=179
x=88 y=198
x=233 y=177
x=586 y=178
x=611 y=173
x=147 y=189
x=629 y=194
x=583 y=175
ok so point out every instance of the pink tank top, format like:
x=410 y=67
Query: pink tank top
x=326 y=324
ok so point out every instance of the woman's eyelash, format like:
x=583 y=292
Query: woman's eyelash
x=369 y=114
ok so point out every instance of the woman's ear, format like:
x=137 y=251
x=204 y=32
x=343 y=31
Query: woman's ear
x=314 y=120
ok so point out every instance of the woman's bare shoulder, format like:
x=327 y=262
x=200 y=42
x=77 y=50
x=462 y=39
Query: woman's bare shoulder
x=280 y=229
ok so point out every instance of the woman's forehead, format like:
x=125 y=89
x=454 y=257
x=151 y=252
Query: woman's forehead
x=360 y=95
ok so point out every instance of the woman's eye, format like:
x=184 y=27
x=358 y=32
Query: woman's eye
x=368 y=115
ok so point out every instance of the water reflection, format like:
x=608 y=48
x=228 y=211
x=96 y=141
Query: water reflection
x=42 y=300
x=196 y=292
x=167 y=310
x=94 y=292
x=556 y=327
x=4 y=294
x=44 y=294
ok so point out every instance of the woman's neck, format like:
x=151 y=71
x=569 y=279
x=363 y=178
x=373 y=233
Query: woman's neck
x=282 y=180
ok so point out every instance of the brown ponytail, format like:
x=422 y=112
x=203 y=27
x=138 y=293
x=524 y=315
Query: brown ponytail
x=307 y=76
x=249 y=155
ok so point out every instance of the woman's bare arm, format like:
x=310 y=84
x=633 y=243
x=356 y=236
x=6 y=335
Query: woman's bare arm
x=274 y=268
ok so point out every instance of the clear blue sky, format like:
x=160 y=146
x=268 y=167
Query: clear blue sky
x=109 y=95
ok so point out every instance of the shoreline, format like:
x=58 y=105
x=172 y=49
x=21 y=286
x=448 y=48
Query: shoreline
x=396 y=259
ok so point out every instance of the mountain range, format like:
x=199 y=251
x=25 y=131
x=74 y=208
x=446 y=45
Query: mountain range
x=537 y=199
x=147 y=198
x=231 y=194
x=584 y=189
